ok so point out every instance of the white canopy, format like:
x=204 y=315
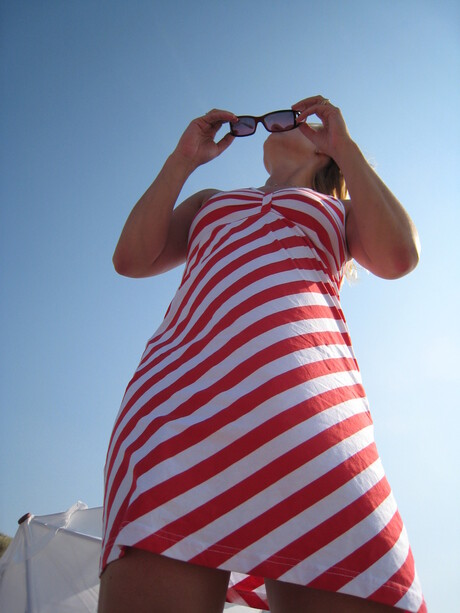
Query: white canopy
x=52 y=564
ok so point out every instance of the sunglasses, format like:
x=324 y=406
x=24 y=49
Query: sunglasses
x=276 y=121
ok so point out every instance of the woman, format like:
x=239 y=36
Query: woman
x=243 y=450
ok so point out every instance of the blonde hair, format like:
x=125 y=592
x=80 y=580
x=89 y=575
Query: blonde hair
x=330 y=180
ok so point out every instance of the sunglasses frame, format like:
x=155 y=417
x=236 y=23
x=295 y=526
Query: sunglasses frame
x=261 y=120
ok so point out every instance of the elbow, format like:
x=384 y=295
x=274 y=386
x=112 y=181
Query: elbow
x=413 y=259
x=409 y=257
x=403 y=262
x=121 y=265
x=406 y=254
x=403 y=267
x=134 y=260
x=126 y=267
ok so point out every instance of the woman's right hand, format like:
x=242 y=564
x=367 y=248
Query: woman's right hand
x=197 y=145
x=155 y=234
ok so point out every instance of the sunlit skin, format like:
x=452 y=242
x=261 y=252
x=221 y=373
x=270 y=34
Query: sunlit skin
x=291 y=159
x=380 y=236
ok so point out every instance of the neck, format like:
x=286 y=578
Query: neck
x=293 y=177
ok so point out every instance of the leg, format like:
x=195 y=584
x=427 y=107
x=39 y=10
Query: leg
x=290 y=598
x=146 y=582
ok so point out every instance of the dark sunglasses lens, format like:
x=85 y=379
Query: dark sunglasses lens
x=280 y=122
x=243 y=127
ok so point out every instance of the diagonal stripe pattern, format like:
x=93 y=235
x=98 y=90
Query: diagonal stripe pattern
x=244 y=440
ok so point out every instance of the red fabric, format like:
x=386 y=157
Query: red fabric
x=244 y=440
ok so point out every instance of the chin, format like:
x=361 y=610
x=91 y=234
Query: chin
x=291 y=144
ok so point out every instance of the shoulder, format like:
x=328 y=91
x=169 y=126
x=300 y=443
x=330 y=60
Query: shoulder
x=206 y=194
x=197 y=200
x=188 y=208
x=347 y=206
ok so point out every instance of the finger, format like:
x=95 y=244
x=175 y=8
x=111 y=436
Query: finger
x=302 y=104
x=308 y=131
x=313 y=134
x=224 y=143
x=322 y=110
x=219 y=115
x=213 y=121
x=213 y=128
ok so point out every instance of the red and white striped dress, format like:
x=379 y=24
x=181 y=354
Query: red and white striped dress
x=244 y=441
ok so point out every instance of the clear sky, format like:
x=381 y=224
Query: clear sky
x=94 y=97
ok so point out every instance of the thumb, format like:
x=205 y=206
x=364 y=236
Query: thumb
x=224 y=143
x=309 y=132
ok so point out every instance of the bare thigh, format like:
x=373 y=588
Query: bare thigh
x=289 y=598
x=147 y=582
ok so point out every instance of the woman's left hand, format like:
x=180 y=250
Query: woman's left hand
x=380 y=234
x=333 y=135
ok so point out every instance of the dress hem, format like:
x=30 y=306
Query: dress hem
x=155 y=543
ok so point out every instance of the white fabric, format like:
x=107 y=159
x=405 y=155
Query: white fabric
x=52 y=564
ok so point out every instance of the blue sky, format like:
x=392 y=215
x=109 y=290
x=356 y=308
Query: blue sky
x=94 y=97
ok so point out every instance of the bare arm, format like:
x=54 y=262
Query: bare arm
x=154 y=238
x=380 y=234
